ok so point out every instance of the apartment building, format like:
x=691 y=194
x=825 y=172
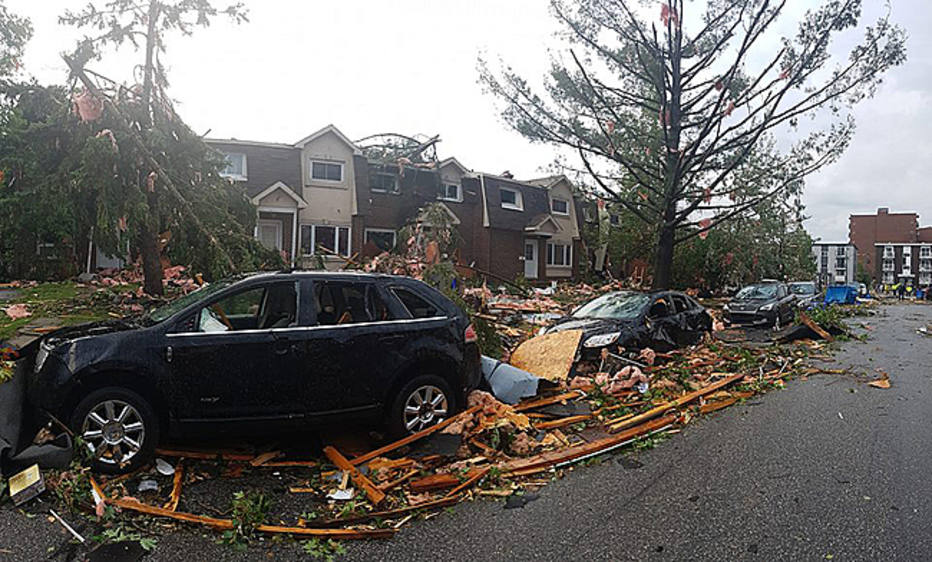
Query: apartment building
x=835 y=262
x=892 y=246
x=321 y=200
x=909 y=263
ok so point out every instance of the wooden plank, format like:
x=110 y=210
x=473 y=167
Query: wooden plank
x=375 y=495
x=398 y=481
x=654 y=412
x=804 y=318
x=440 y=481
x=717 y=405
x=524 y=406
x=562 y=422
x=550 y=458
x=442 y=502
x=411 y=438
x=265 y=458
x=469 y=482
x=286 y=464
x=216 y=523
x=175 y=497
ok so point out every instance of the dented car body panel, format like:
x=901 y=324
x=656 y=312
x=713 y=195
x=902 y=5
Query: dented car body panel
x=287 y=349
x=662 y=320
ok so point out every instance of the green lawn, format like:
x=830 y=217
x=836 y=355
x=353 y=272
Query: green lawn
x=67 y=301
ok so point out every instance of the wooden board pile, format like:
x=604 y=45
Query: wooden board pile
x=489 y=449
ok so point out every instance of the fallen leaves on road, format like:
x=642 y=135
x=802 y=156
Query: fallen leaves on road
x=882 y=382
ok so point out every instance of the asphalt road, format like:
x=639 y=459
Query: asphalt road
x=827 y=469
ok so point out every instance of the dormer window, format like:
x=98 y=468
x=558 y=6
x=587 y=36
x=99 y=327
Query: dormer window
x=560 y=206
x=450 y=192
x=511 y=199
x=236 y=166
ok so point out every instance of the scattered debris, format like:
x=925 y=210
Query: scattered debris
x=882 y=382
x=550 y=356
x=26 y=485
x=67 y=527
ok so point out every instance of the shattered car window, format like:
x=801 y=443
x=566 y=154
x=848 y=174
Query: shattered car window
x=803 y=289
x=167 y=311
x=210 y=321
x=623 y=305
x=757 y=292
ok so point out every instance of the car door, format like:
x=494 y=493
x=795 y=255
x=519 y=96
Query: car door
x=786 y=303
x=226 y=362
x=686 y=333
x=662 y=323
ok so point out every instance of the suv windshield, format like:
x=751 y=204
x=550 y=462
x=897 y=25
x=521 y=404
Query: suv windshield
x=614 y=305
x=168 y=310
x=802 y=289
x=757 y=292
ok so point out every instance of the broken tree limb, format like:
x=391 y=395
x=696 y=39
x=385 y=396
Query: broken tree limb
x=562 y=422
x=654 y=412
x=524 y=406
x=804 y=318
x=442 y=502
x=375 y=495
x=411 y=438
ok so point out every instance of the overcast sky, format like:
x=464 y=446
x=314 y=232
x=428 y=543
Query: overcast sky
x=409 y=66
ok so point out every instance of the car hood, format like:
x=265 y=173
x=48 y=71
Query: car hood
x=748 y=304
x=594 y=326
x=92 y=329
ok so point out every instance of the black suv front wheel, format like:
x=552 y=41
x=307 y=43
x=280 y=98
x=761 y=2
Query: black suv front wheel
x=118 y=427
x=422 y=402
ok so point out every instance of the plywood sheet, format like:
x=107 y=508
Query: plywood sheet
x=549 y=356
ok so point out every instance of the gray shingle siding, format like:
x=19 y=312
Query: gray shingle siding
x=266 y=164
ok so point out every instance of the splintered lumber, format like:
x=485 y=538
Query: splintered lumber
x=264 y=458
x=524 y=406
x=718 y=405
x=412 y=438
x=469 y=482
x=550 y=458
x=549 y=356
x=216 y=523
x=372 y=491
x=440 y=481
x=562 y=422
x=398 y=481
x=685 y=399
x=442 y=502
x=804 y=318
x=286 y=464
x=175 y=497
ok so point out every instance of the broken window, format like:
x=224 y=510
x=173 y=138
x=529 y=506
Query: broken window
x=259 y=308
x=558 y=254
x=560 y=206
x=324 y=239
x=326 y=171
x=384 y=240
x=416 y=306
x=341 y=303
x=383 y=182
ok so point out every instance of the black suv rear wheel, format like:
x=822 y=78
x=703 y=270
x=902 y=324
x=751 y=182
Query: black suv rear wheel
x=424 y=401
x=118 y=427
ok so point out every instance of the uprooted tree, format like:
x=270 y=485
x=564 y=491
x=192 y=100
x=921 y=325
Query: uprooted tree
x=151 y=174
x=674 y=115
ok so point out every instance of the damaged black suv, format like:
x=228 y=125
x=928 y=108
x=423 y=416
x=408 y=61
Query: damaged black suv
x=274 y=351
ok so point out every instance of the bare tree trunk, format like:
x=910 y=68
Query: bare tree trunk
x=149 y=242
x=663 y=260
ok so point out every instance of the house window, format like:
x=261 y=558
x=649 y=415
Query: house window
x=383 y=182
x=325 y=240
x=840 y=263
x=450 y=192
x=511 y=199
x=236 y=166
x=925 y=252
x=558 y=254
x=888 y=265
x=383 y=239
x=560 y=206
x=326 y=171
x=888 y=251
x=841 y=251
x=888 y=277
x=925 y=279
x=925 y=264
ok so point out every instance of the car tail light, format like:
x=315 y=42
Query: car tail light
x=470 y=334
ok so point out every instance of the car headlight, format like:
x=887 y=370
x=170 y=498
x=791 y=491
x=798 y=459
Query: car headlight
x=766 y=307
x=602 y=340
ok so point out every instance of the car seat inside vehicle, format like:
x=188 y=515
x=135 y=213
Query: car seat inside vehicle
x=280 y=307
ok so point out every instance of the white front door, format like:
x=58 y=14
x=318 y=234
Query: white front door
x=530 y=259
x=270 y=234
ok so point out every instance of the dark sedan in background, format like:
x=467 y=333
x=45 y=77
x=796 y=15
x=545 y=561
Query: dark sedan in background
x=762 y=304
x=662 y=321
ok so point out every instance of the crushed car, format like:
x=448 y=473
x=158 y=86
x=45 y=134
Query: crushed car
x=260 y=352
x=662 y=321
x=767 y=304
x=806 y=292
